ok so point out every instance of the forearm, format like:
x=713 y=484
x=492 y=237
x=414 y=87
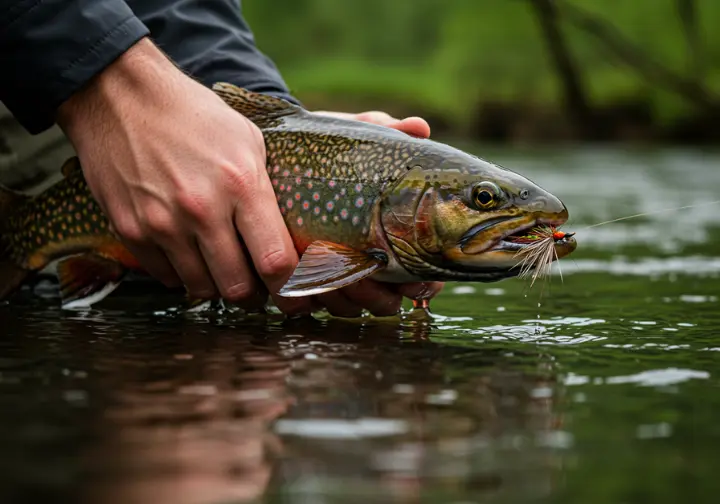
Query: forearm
x=49 y=50
x=141 y=79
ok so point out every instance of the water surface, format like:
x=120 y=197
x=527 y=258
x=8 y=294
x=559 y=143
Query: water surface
x=606 y=392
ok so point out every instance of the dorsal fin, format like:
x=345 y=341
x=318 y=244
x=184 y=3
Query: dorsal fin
x=259 y=108
x=70 y=166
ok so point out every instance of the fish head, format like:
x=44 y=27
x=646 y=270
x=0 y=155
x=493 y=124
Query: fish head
x=454 y=217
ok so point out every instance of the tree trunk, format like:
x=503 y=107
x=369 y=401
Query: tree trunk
x=689 y=88
x=575 y=98
x=688 y=13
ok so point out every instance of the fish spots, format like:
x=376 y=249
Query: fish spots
x=289 y=203
x=355 y=220
x=316 y=210
x=297 y=196
x=323 y=218
x=359 y=202
x=299 y=221
x=275 y=182
x=358 y=187
x=329 y=206
x=331 y=184
x=286 y=173
x=344 y=213
x=310 y=185
x=282 y=187
x=306 y=205
x=316 y=196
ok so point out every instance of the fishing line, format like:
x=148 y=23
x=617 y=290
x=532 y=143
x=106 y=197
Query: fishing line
x=651 y=213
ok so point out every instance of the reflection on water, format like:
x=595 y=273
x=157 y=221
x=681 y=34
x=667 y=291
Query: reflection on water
x=602 y=388
x=158 y=409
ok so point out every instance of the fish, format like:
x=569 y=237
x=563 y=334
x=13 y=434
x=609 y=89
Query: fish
x=360 y=200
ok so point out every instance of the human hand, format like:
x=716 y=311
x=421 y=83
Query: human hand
x=178 y=173
x=379 y=298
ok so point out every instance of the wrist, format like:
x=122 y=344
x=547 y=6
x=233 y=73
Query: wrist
x=143 y=73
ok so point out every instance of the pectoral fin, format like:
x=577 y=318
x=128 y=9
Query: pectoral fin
x=87 y=279
x=327 y=266
x=70 y=166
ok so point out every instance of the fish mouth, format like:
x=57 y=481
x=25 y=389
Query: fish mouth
x=489 y=249
x=489 y=224
x=515 y=227
x=506 y=241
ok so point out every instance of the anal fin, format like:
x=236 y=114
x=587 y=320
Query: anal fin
x=327 y=266
x=87 y=279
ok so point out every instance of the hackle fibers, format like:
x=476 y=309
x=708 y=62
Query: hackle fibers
x=536 y=258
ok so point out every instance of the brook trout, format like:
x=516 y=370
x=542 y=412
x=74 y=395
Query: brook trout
x=359 y=200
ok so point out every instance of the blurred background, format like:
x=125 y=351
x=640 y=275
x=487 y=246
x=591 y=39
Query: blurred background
x=507 y=70
x=600 y=386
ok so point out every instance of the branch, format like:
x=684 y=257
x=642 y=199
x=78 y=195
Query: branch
x=633 y=57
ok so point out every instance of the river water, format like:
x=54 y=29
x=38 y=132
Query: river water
x=600 y=387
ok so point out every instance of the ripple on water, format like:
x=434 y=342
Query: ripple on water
x=644 y=266
x=650 y=378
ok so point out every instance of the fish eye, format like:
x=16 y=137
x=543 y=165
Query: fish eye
x=485 y=195
x=524 y=194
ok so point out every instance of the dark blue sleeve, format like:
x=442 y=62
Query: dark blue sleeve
x=50 y=48
x=211 y=41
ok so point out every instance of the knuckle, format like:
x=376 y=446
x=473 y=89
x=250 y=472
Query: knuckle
x=238 y=292
x=241 y=181
x=195 y=205
x=204 y=293
x=160 y=222
x=128 y=229
x=275 y=264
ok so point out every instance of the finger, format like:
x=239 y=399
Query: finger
x=339 y=305
x=192 y=270
x=415 y=126
x=152 y=259
x=420 y=290
x=374 y=296
x=229 y=268
x=375 y=117
x=266 y=237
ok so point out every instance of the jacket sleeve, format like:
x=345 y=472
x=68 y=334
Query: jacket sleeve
x=50 y=48
x=211 y=41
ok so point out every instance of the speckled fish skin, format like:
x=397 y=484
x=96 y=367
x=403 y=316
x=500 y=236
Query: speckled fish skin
x=399 y=207
x=62 y=221
x=373 y=188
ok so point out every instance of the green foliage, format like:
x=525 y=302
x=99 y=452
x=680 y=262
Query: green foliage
x=449 y=56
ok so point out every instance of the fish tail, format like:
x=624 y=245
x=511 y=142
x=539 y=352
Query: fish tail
x=11 y=275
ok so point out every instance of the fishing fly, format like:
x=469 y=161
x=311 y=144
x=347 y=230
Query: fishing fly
x=536 y=257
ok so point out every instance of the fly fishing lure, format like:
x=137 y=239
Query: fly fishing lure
x=537 y=256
